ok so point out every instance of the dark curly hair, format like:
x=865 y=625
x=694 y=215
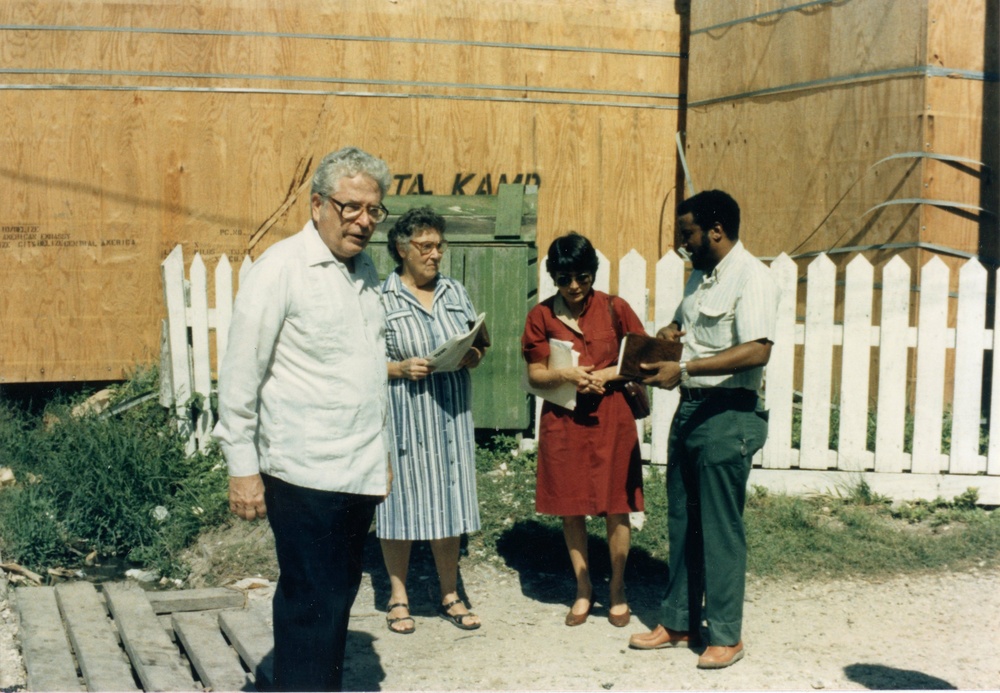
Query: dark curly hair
x=711 y=206
x=413 y=220
x=571 y=253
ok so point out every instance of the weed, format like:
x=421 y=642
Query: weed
x=119 y=486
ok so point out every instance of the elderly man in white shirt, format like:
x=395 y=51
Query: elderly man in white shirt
x=726 y=323
x=303 y=406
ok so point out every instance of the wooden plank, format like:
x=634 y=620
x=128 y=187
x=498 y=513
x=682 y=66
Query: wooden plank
x=969 y=339
x=891 y=411
x=668 y=292
x=857 y=355
x=253 y=639
x=155 y=659
x=632 y=288
x=201 y=599
x=931 y=349
x=217 y=663
x=201 y=363
x=780 y=372
x=908 y=487
x=510 y=203
x=44 y=646
x=993 y=452
x=103 y=663
x=816 y=373
x=223 y=307
x=172 y=277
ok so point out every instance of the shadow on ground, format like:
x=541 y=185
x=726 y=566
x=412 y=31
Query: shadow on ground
x=537 y=552
x=883 y=678
x=363 y=667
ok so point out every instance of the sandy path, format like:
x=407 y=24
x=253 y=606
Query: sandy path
x=924 y=632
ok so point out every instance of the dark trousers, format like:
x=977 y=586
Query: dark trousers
x=319 y=537
x=712 y=443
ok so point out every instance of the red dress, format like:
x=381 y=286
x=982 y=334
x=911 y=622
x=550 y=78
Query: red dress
x=588 y=458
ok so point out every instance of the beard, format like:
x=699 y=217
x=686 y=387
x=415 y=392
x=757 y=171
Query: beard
x=700 y=258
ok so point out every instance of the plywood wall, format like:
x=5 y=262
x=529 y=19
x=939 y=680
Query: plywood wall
x=847 y=127
x=128 y=127
x=815 y=116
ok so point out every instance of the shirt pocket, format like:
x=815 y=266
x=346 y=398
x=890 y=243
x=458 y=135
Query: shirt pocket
x=715 y=325
x=320 y=323
x=456 y=320
x=405 y=337
x=602 y=345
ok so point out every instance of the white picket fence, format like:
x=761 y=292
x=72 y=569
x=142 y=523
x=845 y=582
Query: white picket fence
x=926 y=472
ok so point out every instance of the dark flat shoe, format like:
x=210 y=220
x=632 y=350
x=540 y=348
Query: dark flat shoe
x=390 y=621
x=458 y=620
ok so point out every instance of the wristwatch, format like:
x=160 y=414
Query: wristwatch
x=684 y=371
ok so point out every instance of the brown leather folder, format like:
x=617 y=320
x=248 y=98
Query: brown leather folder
x=639 y=348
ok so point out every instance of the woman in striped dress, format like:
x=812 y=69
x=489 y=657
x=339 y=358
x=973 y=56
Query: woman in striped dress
x=433 y=493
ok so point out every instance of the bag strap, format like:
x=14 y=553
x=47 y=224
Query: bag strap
x=615 y=323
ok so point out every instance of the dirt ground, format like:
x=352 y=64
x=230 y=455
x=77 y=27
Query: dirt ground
x=926 y=632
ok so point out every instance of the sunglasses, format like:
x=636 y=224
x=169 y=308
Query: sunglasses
x=564 y=279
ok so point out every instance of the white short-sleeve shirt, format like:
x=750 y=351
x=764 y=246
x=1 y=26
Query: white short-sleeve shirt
x=735 y=303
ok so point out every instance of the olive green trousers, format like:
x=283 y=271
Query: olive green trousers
x=712 y=443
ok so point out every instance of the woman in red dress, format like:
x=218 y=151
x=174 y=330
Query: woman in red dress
x=588 y=458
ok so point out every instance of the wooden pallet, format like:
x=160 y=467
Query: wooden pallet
x=75 y=638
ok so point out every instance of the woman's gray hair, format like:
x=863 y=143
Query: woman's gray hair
x=411 y=221
x=347 y=163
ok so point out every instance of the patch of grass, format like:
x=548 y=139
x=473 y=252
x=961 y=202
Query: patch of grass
x=854 y=532
x=859 y=533
x=117 y=485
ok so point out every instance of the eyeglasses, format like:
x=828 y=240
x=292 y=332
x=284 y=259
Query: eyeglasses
x=352 y=210
x=428 y=248
x=564 y=279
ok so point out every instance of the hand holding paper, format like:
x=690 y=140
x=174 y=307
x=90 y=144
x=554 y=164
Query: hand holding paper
x=561 y=355
x=448 y=356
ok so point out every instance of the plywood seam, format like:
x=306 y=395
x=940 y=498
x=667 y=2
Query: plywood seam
x=339 y=37
x=893 y=73
x=318 y=92
x=337 y=80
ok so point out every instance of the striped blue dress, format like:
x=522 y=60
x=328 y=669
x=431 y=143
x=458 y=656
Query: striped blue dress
x=434 y=464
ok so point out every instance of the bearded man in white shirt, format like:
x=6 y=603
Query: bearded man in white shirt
x=726 y=323
x=303 y=405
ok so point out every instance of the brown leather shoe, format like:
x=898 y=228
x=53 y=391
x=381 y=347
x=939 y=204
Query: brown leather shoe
x=579 y=619
x=720 y=656
x=661 y=637
x=620 y=620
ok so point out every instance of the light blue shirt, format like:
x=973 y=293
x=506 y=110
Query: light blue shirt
x=735 y=303
x=303 y=393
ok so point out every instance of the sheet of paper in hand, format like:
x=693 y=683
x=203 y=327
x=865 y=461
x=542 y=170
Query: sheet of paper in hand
x=447 y=356
x=561 y=355
x=639 y=348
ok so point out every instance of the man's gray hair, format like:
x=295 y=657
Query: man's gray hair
x=347 y=163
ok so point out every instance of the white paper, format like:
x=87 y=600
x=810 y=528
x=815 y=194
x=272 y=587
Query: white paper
x=447 y=356
x=561 y=355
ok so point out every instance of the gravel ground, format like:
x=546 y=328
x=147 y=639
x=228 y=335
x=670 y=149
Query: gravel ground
x=929 y=632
